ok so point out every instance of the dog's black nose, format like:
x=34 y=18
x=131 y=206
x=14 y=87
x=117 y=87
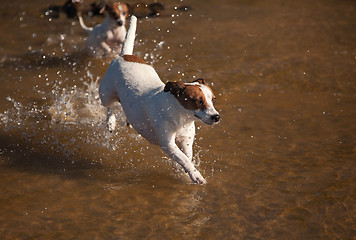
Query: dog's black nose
x=119 y=22
x=216 y=117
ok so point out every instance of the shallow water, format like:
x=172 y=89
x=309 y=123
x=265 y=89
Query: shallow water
x=280 y=165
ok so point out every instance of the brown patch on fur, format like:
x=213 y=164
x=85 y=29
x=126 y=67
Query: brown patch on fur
x=133 y=58
x=190 y=96
x=125 y=10
x=114 y=10
x=202 y=81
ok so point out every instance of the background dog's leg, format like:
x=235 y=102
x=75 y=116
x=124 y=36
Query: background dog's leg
x=110 y=120
x=170 y=147
x=106 y=47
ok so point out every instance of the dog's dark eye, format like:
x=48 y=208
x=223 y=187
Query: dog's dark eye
x=214 y=99
x=199 y=102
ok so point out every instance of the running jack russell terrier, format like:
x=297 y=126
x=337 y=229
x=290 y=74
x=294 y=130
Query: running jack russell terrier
x=107 y=38
x=162 y=114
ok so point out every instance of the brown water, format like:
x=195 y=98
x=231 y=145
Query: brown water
x=280 y=165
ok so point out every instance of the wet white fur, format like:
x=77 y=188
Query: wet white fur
x=156 y=115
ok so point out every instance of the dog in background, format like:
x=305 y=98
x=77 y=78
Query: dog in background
x=163 y=114
x=107 y=38
x=71 y=8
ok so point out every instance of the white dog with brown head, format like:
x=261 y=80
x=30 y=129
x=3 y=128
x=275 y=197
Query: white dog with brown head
x=162 y=114
x=107 y=37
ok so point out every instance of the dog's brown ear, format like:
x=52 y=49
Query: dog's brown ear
x=174 y=87
x=200 y=81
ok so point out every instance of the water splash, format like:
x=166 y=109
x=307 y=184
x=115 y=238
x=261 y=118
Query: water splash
x=67 y=116
x=77 y=105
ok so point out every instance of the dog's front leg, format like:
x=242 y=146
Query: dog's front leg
x=106 y=47
x=185 y=139
x=186 y=145
x=174 y=152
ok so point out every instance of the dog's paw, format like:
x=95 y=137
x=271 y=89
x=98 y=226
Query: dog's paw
x=111 y=123
x=196 y=177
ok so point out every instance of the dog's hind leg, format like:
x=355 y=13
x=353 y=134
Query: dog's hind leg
x=110 y=120
x=108 y=97
x=108 y=100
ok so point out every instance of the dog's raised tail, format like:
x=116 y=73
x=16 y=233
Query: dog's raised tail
x=128 y=45
x=82 y=24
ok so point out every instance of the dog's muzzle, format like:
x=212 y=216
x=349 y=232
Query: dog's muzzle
x=119 y=22
x=209 y=120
